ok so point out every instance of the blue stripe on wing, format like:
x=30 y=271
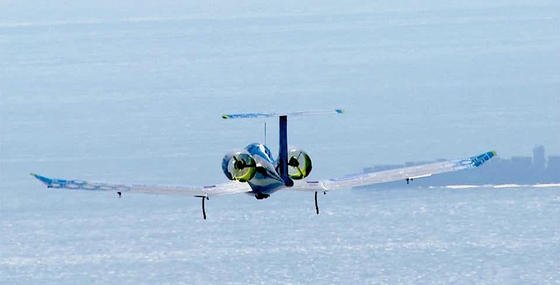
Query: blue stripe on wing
x=479 y=160
x=50 y=182
x=78 y=184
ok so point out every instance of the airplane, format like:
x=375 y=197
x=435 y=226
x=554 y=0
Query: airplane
x=256 y=172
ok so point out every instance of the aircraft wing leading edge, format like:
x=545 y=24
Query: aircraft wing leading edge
x=232 y=187
x=404 y=174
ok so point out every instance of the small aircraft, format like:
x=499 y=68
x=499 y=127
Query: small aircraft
x=254 y=171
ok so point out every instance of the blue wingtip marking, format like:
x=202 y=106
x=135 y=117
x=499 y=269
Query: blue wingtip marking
x=43 y=179
x=481 y=159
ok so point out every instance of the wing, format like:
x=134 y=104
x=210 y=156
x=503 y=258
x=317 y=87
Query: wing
x=205 y=191
x=405 y=173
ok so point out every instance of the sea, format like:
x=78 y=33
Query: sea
x=133 y=92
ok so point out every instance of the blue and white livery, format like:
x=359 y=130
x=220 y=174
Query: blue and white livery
x=256 y=172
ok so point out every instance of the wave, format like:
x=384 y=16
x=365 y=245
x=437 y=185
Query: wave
x=510 y=186
x=463 y=186
x=547 y=185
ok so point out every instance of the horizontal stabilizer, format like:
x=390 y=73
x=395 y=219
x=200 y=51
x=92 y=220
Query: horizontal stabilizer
x=271 y=115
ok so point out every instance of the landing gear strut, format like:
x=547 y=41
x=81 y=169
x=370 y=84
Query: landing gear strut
x=203 y=208
x=317 y=204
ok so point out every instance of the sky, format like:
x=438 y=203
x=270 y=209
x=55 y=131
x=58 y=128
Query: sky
x=419 y=81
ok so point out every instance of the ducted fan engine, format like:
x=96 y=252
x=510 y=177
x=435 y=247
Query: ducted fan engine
x=239 y=166
x=299 y=164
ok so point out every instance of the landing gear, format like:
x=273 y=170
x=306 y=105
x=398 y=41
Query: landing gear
x=408 y=180
x=119 y=193
x=260 y=196
x=203 y=208
x=317 y=204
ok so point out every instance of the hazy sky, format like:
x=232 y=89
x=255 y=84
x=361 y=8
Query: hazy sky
x=130 y=80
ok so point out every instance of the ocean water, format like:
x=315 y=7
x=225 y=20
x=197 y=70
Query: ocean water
x=98 y=94
x=368 y=236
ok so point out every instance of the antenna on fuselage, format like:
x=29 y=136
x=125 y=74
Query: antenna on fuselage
x=264 y=133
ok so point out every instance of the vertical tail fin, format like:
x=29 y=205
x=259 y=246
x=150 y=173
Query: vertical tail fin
x=283 y=152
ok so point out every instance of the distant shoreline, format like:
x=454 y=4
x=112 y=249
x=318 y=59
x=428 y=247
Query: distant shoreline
x=537 y=171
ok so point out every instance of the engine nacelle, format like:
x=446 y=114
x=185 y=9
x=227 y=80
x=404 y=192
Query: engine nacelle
x=299 y=164
x=240 y=166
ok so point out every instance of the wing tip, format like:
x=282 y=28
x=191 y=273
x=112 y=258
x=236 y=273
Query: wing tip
x=45 y=180
x=479 y=160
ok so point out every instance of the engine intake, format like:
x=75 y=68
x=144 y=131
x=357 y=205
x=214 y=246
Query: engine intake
x=299 y=164
x=240 y=166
